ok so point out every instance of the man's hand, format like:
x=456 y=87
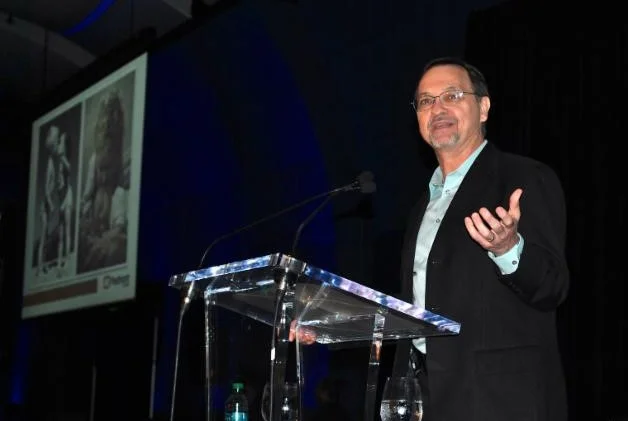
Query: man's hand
x=306 y=336
x=496 y=234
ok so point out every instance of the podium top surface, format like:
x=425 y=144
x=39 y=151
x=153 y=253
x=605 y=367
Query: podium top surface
x=335 y=308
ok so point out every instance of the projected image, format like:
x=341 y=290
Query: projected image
x=103 y=212
x=54 y=250
x=84 y=192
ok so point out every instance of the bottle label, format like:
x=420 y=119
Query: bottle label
x=236 y=416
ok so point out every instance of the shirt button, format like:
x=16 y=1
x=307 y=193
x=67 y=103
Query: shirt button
x=514 y=262
x=438 y=220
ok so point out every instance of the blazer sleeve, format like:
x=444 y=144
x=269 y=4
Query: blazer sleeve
x=542 y=276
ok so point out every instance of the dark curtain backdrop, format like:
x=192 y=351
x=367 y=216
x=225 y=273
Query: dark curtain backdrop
x=558 y=83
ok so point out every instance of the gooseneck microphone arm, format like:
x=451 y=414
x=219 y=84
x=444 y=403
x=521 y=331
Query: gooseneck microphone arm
x=191 y=292
x=266 y=218
x=364 y=183
x=307 y=221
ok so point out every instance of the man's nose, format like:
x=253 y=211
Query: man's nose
x=437 y=104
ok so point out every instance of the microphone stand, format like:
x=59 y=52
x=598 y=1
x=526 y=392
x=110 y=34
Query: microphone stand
x=284 y=309
x=281 y=313
x=209 y=328
x=284 y=313
x=184 y=307
x=209 y=340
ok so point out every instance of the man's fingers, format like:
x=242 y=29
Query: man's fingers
x=514 y=210
x=306 y=336
x=474 y=232
x=505 y=219
x=292 y=335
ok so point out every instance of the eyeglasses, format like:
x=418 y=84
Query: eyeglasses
x=449 y=97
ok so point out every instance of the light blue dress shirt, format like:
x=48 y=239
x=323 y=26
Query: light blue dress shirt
x=441 y=195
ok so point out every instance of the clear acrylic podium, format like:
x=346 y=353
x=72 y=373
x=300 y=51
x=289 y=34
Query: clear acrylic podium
x=276 y=289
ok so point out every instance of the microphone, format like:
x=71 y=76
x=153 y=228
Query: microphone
x=363 y=183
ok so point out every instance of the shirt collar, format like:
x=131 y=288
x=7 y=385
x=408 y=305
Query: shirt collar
x=454 y=178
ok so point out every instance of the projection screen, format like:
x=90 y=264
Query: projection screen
x=83 y=200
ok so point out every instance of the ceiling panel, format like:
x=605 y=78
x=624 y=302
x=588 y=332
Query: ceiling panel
x=37 y=52
x=123 y=19
x=56 y=15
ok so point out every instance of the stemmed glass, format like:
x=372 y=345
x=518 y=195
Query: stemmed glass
x=289 y=406
x=401 y=400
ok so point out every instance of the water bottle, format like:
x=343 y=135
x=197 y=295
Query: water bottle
x=236 y=405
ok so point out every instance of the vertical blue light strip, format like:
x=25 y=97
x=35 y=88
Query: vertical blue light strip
x=20 y=367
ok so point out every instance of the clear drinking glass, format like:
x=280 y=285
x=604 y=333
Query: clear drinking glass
x=401 y=400
x=289 y=409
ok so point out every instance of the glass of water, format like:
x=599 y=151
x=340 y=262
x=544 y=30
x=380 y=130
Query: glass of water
x=401 y=400
x=289 y=409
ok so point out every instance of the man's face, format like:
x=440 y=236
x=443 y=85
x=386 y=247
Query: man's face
x=52 y=139
x=108 y=136
x=446 y=125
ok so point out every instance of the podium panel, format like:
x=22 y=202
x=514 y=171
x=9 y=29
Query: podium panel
x=277 y=289
x=335 y=308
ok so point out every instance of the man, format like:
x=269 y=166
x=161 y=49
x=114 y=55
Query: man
x=484 y=247
x=66 y=206
x=104 y=200
x=49 y=203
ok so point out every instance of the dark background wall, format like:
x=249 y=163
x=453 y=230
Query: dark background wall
x=555 y=102
x=267 y=102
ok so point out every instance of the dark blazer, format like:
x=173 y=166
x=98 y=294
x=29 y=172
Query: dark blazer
x=505 y=364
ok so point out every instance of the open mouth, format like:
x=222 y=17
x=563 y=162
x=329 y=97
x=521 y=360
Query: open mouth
x=441 y=124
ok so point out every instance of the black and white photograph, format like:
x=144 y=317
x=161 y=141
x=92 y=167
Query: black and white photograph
x=54 y=248
x=105 y=181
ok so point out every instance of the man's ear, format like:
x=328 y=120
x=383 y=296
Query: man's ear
x=485 y=105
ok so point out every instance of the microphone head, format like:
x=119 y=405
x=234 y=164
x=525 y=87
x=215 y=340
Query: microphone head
x=368 y=187
x=366 y=183
x=365 y=176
